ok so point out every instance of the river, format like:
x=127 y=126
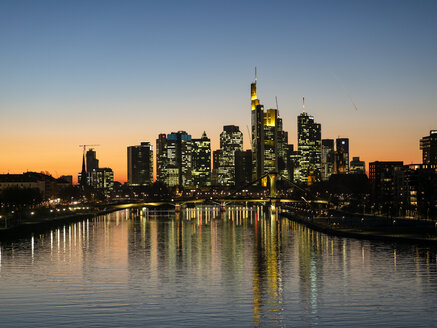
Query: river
x=242 y=268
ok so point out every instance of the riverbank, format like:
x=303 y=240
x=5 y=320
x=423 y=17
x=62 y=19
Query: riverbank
x=29 y=226
x=373 y=228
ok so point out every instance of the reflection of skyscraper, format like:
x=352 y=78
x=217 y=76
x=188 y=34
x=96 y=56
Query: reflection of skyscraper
x=174 y=159
x=328 y=157
x=201 y=159
x=309 y=142
x=231 y=140
x=342 y=155
x=140 y=164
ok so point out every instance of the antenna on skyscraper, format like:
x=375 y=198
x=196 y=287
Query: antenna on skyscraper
x=277 y=107
x=303 y=104
x=255 y=74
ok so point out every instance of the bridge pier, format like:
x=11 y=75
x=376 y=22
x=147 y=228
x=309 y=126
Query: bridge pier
x=177 y=208
x=222 y=207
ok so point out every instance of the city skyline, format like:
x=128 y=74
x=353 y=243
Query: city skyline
x=61 y=88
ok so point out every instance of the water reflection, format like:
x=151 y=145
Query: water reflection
x=246 y=264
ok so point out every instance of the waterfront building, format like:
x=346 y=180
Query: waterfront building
x=140 y=164
x=309 y=146
x=231 y=140
x=342 y=155
x=387 y=179
x=174 y=159
x=201 y=161
x=216 y=155
x=428 y=145
x=243 y=167
x=357 y=166
x=328 y=159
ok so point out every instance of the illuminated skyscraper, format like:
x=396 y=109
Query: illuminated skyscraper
x=174 y=159
x=269 y=150
x=140 y=164
x=328 y=158
x=428 y=145
x=102 y=179
x=231 y=140
x=310 y=146
x=357 y=166
x=342 y=155
x=201 y=159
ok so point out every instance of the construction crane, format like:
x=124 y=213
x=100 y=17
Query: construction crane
x=84 y=147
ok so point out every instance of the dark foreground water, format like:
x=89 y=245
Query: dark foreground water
x=201 y=268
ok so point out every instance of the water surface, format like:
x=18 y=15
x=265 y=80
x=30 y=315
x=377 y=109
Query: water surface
x=205 y=268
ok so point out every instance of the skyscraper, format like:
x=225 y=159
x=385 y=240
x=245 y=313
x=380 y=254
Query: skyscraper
x=201 y=159
x=174 y=159
x=231 y=140
x=140 y=164
x=309 y=138
x=243 y=167
x=342 y=155
x=357 y=166
x=269 y=151
x=428 y=145
x=328 y=157
x=91 y=160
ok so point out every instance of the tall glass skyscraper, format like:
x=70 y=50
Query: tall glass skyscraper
x=309 y=138
x=174 y=159
x=140 y=164
x=342 y=155
x=328 y=158
x=201 y=159
x=231 y=140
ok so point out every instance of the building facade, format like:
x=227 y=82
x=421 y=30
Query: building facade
x=342 y=155
x=328 y=159
x=357 y=166
x=428 y=145
x=309 y=138
x=140 y=164
x=231 y=140
x=201 y=159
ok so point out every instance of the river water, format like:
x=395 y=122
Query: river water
x=242 y=268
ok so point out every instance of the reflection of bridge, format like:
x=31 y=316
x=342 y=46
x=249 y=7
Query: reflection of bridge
x=272 y=200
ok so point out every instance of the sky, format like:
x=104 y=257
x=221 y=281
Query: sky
x=115 y=73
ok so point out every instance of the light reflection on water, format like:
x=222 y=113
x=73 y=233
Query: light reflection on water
x=201 y=267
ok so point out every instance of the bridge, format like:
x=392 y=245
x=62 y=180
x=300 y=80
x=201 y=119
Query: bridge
x=272 y=200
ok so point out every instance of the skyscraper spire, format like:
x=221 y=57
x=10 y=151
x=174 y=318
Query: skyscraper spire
x=255 y=75
x=303 y=104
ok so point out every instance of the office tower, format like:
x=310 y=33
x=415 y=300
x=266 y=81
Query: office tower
x=387 y=180
x=231 y=140
x=101 y=179
x=310 y=147
x=268 y=139
x=428 y=145
x=201 y=161
x=140 y=164
x=216 y=155
x=91 y=160
x=174 y=159
x=357 y=166
x=243 y=167
x=342 y=155
x=328 y=158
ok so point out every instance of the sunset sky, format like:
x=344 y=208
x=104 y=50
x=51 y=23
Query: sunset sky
x=116 y=73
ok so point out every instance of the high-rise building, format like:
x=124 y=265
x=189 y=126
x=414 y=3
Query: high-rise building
x=268 y=139
x=231 y=140
x=216 y=155
x=101 y=179
x=328 y=158
x=357 y=166
x=387 y=180
x=91 y=160
x=201 y=159
x=428 y=145
x=140 y=164
x=309 y=138
x=243 y=167
x=174 y=159
x=342 y=155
